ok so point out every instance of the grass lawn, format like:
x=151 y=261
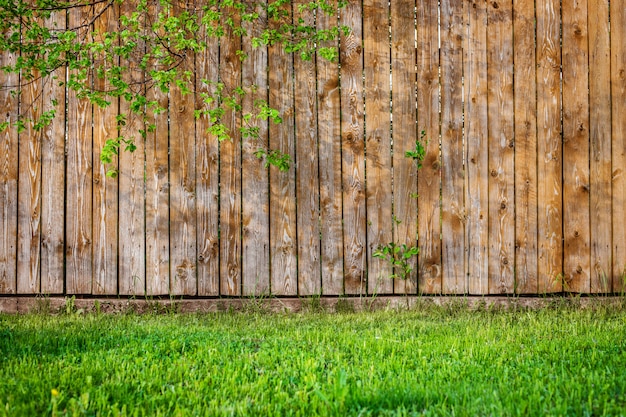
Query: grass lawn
x=428 y=361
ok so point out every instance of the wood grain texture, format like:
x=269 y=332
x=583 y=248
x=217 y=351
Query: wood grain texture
x=600 y=145
x=183 y=280
x=307 y=171
x=330 y=168
x=255 y=178
x=429 y=176
x=230 y=173
x=207 y=173
x=8 y=179
x=131 y=197
x=618 y=135
x=78 y=218
x=404 y=133
x=477 y=146
x=501 y=148
x=377 y=56
x=549 y=149
x=453 y=212
x=105 y=221
x=525 y=111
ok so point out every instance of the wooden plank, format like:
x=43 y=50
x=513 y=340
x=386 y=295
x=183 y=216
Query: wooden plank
x=329 y=167
x=29 y=183
x=183 y=178
x=230 y=170
x=8 y=179
x=257 y=238
x=207 y=173
x=104 y=188
x=283 y=245
x=525 y=112
x=307 y=173
x=404 y=134
x=549 y=149
x=453 y=213
x=575 y=56
x=353 y=150
x=429 y=176
x=600 y=145
x=78 y=217
x=377 y=56
x=618 y=135
x=53 y=177
x=501 y=143
x=477 y=147
x=131 y=197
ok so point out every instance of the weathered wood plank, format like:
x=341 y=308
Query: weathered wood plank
x=183 y=280
x=429 y=176
x=307 y=173
x=230 y=171
x=8 y=178
x=501 y=143
x=330 y=168
x=377 y=56
x=283 y=245
x=255 y=179
x=453 y=213
x=477 y=147
x=600 y=145
x=104 y=188
x=575 y=56
x=131 y=197
x=549 y=149
x=525 y=112
x=618 y=135
x=207 y=172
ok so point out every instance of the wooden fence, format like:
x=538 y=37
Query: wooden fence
x=522 y=190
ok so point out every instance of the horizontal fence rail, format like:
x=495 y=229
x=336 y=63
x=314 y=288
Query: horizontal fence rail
x=520 y=105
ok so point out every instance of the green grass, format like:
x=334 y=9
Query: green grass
x=431 y=361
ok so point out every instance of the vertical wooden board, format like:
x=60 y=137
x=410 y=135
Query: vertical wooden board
x=477 y=147
x=104 y=188
x=576 y=233
x=183 y=279
x=207 y=172
x=131 y=197
x=501 y=143
x=404 y=134
x=255 y=180
x=600 y=146
x=307 y=173
x=230 y=172
x=525 y=112
x=429 y=176
x=29 y=186
x=618 y=135
x=377 y=59
x=353 y=150
x=328 y=101
x=453 y=213
x=549 y=150
x=78 y=215
x=8 y=180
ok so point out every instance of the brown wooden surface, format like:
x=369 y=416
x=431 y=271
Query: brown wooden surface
x=549 y=150
x=453 y=212
x=330 y=170
x=255 y=179
x=307 y=171
x=377 y=55
x=477 y=146
x=501 y=144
